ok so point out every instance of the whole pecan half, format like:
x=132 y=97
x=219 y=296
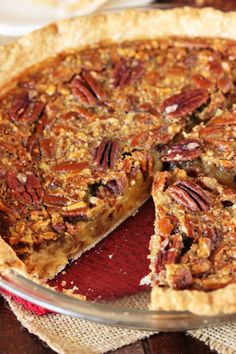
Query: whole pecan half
x=25 y=188
x=87 y=89
x=190 y=195
x=106 y=153
x=184 y=150
x=214 y=235
x=185 y=102
x=25 y=109
x=125 y=73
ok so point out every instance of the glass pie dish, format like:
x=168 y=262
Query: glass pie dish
x=113 y=313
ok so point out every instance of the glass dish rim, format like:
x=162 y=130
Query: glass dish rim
x=143 y=319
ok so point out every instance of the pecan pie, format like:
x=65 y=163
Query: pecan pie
x=92 y=114
x=194 y=246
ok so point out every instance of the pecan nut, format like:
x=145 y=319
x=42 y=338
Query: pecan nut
x=41 y=124
x=33 y=147
x=106 y=153
x=5 y=209
x=54 y=201
x=33 y=112
x=226 y=119
x=47 y=147
x=87 y=89
x=224 y=84
x=25 y=188
x=169 y=252
x=190 y=195
x=25 y=109
x=71 y=166
x=184 y=150
x=185 y=102
x=201 y=82
x=94 y=85
x=74 y=216
x=214 y=235
x=124 y=73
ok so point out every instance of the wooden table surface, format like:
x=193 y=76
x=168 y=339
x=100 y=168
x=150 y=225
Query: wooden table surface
x=14 y=339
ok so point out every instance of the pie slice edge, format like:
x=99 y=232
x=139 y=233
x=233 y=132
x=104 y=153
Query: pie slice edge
x=192 y=250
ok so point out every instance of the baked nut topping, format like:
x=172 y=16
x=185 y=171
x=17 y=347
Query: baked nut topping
x=80 y=133
x=190 y=195
x=106 y=153
x=209 y=148
x=185 y=102
x=194 y=242
x=184 y=150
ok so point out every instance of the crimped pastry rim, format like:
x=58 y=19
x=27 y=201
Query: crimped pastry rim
x=78 y=33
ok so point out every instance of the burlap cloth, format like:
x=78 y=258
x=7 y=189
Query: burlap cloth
x=68 y=335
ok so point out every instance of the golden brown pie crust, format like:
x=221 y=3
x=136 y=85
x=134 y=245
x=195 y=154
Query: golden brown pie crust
x=198 y=302
x=8 y=258
x=113 y=28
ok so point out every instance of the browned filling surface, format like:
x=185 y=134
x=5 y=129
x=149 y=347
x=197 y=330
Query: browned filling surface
x=209 y=148
x=79 y=131
x=194 y=246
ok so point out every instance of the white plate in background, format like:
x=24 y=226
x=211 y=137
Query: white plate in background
x=18 y=17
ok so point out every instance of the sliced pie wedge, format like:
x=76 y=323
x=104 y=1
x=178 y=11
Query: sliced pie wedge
x=193 y=264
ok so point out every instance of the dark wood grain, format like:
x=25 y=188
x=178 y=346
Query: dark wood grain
x=14 y=339
x=177 y=343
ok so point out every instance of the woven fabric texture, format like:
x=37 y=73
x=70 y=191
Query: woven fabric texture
x=67 y=335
